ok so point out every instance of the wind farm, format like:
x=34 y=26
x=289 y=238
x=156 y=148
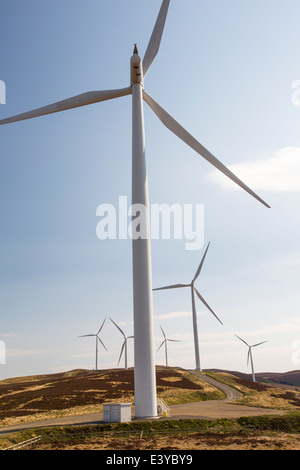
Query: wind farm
x=245 y=249
x=141 y=243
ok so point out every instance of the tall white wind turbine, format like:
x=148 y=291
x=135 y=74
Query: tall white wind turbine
x=124 y=345
x=249 y=356
x=193 y=290
x=165 y=343
x=97 y=337
x=144 y=363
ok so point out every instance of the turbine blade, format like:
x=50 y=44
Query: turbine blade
x=156 y=36
x=253 y=346
x=201 y=264
x=161 y=345
x=122 y=349
x=174 y=286
x=174 y=340
x=163 y=332
x=101 y=326
x=118 y=328
x=102 y=343
x=74 y=102
x=206 y=304
x=242 y=340
x=84 y=336
x=178 y=130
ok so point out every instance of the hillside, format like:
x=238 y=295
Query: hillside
x=286 y=378
x=269 y=416
x=282 y=378
x=83 y=391
x=77 y=392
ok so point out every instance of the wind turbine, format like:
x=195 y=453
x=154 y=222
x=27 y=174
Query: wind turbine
x=124 y=345
x=97 y=339
x=249 y=356
x=144 y=362
x=165 y=343
x=193 y=290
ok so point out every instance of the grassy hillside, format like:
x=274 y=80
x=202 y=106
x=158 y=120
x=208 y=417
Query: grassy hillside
x=260 y=394
x=26 y=399
x=282 y=378
x=32 y=398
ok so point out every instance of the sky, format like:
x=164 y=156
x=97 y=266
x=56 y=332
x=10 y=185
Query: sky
x=229 y=72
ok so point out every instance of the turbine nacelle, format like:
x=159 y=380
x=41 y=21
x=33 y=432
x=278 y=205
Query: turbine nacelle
x=136 y=67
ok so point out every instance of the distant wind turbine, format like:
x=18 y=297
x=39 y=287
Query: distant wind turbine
x=144 y=361
x=165 y=343
x=193 y=290
x=97 y=339
x=249 y=356
x=124 y=345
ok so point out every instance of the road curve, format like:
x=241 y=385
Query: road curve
x=231 y=393
x=215 y=409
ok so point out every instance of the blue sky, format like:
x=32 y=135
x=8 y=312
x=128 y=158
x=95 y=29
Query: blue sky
x=225 y=71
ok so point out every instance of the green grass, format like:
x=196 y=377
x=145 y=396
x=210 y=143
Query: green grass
x=287 y=424
x=246 y=425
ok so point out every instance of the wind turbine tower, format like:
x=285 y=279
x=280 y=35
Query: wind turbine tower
x=97 y=337
x=144 y=361
x=249 y=356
